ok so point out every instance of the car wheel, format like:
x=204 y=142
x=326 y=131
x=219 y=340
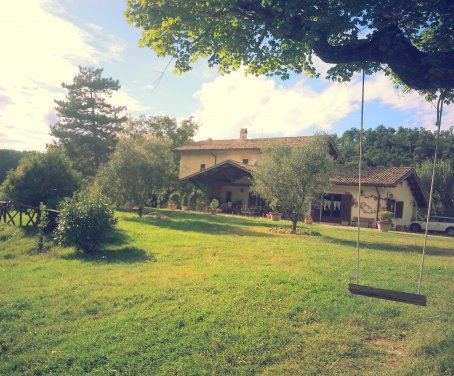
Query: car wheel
x=450 y=231
x=414 y=227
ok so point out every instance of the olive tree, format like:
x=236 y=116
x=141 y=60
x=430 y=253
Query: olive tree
x=290 y=175
x=140 y=167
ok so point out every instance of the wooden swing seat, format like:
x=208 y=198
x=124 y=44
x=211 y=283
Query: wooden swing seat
x=398 y=296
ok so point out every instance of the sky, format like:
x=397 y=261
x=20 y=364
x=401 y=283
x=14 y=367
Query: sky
x=43 y=42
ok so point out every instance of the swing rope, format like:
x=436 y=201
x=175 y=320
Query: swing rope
x=377 y=292
x=438 y=124
x=359 y=177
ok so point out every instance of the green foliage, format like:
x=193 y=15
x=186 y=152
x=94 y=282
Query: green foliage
x=199 y=198
x=385 y=216
x=88 y=125
x=175 y=198
x=409 y=39
x=84 y=221
x=141 y=167
x=164 y=127
x=9 y=160
x=290 y=175
x=43 y=177
x=386 y=146
x=214 y=204
x=443 y=192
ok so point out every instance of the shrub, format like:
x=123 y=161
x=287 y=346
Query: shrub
x=84 y=221
x=175 y=198
x=43 y=177
x=214 y=204
x=385 y=216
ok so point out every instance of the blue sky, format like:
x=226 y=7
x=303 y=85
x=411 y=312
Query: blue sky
x=44 y=42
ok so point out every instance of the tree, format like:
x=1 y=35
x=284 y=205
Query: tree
x=169 y=129
x=140 y=167
x=409 y=39
x=443 y=193
x=88 y=125
x=42 y=177
x=9 y=160
x=164 y=127
x=290 y=175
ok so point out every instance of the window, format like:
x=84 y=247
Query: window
x=202 y=167
x=399 y=209
x=228 y=196
x=245 y=161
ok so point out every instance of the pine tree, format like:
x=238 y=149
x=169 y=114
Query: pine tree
x=88 y=125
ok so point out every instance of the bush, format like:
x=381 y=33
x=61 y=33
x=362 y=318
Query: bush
x=43 y=177
x=175 y=198
x=214 y=204
x=385 y=216
x=84 y=221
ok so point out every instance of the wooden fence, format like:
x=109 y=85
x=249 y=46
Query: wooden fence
x=22 y=215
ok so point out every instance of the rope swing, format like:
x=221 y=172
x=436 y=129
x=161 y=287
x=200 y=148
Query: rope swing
x=375 y=292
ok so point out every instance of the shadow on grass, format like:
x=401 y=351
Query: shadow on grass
x=29 y=231
x=214 y=225
x=125 y=255
x=430 y=250
x=117 y=237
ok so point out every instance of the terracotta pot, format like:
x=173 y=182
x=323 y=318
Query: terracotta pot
x=185 y=207
x=172 y=206
x=384 y=226
x=308 y=220
x=275 y=216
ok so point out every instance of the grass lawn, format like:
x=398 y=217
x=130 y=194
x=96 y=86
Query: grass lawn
x=195 y=294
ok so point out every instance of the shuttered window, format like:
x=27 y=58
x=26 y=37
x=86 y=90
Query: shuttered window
x=399 y=209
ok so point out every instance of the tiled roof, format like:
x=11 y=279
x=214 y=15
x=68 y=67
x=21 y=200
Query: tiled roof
x=244 y=169
x=375 y=176
x=253 y=143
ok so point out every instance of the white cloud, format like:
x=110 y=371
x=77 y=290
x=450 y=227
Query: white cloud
x=235 y=101
x=40 y=50
x=258 y=103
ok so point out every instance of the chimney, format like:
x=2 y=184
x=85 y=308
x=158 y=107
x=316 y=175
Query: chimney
x=243 y=134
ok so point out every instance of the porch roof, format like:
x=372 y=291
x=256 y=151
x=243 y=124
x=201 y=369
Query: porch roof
x=223 y=173
x=383 y=177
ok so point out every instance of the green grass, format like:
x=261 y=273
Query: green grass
x=195 y=294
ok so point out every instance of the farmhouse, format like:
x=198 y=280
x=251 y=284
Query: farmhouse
x=226 y=167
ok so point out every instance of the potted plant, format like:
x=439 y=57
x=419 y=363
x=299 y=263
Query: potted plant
x=185 y=202
x=214 y=205
x=174 y=200
x=275 y=216
x=384 y=222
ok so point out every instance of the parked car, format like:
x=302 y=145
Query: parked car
x=436 y=223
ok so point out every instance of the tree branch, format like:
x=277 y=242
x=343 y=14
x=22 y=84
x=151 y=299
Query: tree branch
x=419 y=70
